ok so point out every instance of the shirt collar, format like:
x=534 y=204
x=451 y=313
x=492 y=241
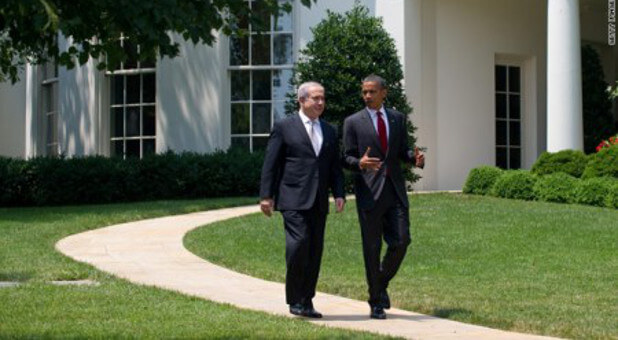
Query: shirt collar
x=374 y=113
x=306 y=119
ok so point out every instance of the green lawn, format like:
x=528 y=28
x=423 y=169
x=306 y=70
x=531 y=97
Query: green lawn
x=530 y=267
x=114 y=308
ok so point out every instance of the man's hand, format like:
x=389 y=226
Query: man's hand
x=419 y=158
x=369 y=163
x=267 y=206
x=340 y=203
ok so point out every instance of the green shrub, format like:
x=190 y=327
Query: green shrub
x=516 y=184
x=96 y=179
x=79 y=180
x=15 y=176
x=556 y=187
x=571 y=162
x=481 y=179
x=611 y=201
x=603 y=163
x=245 y=169
x=593 y=191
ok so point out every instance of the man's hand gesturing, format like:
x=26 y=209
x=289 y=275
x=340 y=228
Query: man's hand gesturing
x=419 y=158
x=369 y=163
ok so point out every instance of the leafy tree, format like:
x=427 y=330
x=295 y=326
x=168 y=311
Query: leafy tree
x=598 y=119
x=29 y=29
x=345 y=49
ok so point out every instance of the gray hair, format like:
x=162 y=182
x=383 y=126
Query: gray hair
x=374 y=78
x=303 y=89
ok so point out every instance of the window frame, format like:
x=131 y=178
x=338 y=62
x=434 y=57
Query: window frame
x=251 y=69
x=123 y=72
x=508 y=147
x=49 y=90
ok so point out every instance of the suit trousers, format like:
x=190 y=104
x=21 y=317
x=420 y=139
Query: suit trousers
x=304 y=242
x=389 y=218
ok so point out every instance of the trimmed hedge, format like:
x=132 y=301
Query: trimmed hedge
x=571 y=162
x=77 y=180
x=557 y=187
x=603 y=163
x=481 y=179
x=611 y=201
x=97 y=179
x=552 y=179
x=14 y=181
x=516 y=184
x=594 y=191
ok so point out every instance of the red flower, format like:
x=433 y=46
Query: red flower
x=613 y=140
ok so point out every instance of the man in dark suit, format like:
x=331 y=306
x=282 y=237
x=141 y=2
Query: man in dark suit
x=375 y=143
x=302 y=163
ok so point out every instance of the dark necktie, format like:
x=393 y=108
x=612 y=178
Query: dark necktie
x=382 y=132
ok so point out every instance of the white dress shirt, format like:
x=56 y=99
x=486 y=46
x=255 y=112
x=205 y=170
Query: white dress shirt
x=317 y=129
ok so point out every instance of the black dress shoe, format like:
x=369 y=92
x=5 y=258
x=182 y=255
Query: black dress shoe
x=306 y=310
x=385 y=301
x=310 y=312
x=377 y=312
x=296 y=309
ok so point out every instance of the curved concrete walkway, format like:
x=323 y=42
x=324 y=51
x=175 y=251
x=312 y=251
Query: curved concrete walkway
x=151 y=252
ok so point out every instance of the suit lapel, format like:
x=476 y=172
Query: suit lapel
x=326 y=137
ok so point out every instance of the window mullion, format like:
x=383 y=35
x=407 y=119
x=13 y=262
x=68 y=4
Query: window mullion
x=251 y=111
x=255 y=132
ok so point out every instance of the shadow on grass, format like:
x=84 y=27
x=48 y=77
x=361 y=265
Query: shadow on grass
x=16 y=276
x=447 y=313
x=365 y=317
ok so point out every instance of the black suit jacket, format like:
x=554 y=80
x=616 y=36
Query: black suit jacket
x=360 y=133
x=292 y=174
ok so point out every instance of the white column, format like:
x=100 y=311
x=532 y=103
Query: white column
x=564 y=89
x=32 y=129
x=419 y=74
x=392 y=12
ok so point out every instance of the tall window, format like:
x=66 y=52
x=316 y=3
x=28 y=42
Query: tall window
x=49 y=107
x=508 y=116
x=260 y=73
x=132 y=99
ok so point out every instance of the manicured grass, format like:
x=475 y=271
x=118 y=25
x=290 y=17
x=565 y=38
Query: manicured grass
x=530 y=267
x=114 y=308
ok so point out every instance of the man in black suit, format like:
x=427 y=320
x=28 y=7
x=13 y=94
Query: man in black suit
x=302 y=163
x=375 y=143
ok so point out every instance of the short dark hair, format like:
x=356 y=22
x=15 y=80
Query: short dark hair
x=374 y=78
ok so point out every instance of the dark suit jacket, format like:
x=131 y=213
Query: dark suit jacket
x=360 y=133
x=292 y=174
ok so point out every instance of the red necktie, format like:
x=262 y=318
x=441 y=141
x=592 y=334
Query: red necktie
x=382 y=132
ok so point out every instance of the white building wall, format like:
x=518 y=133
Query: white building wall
x=392 y=13
x=420 y=75
x=79 y=109
x=469 y=36
x=13 y=118
x=193 y=112
x=307 y=18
